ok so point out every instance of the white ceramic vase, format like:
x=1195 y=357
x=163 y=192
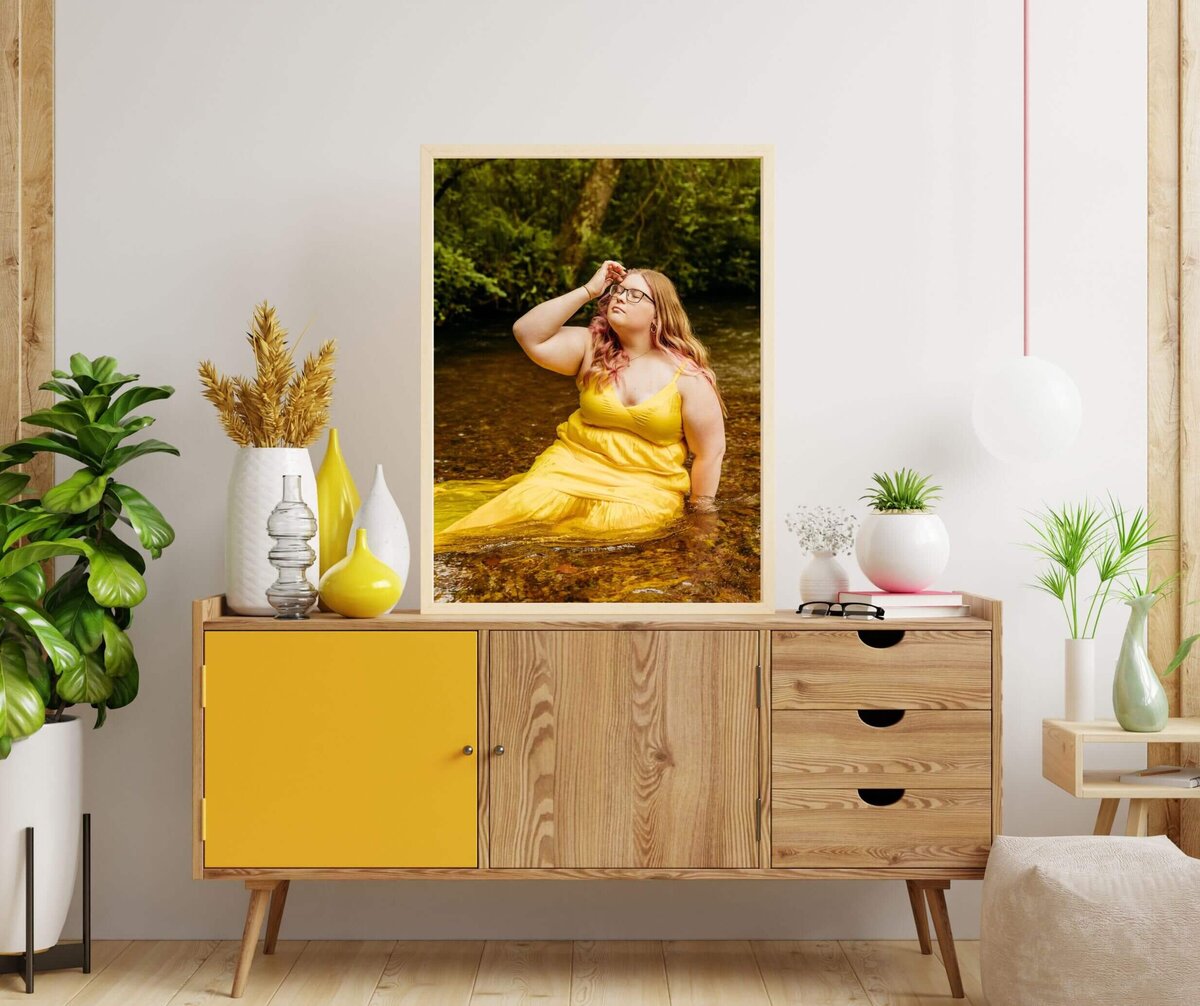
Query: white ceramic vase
x=41 y=786
x=902 y=552
x=822 y=578
x=387 y=534
x=1080 y=680
x=255 y=487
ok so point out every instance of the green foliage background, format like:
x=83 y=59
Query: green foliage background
x=503 y=234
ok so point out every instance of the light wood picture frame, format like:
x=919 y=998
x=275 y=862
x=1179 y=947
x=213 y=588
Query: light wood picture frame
x=453 y=582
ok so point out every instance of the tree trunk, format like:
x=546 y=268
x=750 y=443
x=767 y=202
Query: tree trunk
x=588 y=215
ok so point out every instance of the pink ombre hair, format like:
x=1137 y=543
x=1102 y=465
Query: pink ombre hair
x=672 y=335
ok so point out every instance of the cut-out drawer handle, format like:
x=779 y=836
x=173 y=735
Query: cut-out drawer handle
x=881 y=639
x=881 y=717
x=880 y=797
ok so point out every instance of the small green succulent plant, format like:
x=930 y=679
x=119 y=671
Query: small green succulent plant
x=905 y=491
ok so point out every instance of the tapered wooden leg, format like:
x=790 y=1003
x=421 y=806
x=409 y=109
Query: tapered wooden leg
x=260 y=894
x=1106 y=817
x=916 y=898
x=935 y=893
x=275 y=916
x=1139 y=817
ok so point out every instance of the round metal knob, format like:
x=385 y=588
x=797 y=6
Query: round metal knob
x=468 y=750
x=498 y=749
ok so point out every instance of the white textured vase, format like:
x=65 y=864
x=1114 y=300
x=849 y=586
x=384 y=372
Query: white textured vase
x=822 y=578
x=255 y=487
x=387 y=534
x=902 y=552
x=41 y=786
x=1080 y=681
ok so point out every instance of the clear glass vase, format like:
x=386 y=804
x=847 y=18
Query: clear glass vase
x=290 y=526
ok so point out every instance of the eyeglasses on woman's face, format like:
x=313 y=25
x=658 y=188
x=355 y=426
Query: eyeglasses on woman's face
x=631 y=295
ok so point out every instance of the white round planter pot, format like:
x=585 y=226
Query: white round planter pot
x=902 y=552
x=255 y=487
x=41 y=785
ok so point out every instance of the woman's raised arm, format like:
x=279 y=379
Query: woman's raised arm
x=541 y=333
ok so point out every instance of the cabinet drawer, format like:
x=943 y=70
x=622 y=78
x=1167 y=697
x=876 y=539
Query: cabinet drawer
x=844 y=827
x=921 y=669
x=919 y=748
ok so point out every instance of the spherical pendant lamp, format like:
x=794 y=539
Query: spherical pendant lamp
x=1027 y=409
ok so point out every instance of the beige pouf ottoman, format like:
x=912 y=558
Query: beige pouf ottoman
x=1079 y=920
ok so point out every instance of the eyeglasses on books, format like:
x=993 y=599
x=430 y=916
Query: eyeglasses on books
x=851 y=609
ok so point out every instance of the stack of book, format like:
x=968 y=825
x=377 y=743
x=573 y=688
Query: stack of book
x=1165 y=775
x=923 y=604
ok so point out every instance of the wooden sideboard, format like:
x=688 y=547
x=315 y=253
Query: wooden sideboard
x=510 y=747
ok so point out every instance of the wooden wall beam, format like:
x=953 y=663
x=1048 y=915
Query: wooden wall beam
x=1189 y=383
x=26 y=220
x=1162 y=362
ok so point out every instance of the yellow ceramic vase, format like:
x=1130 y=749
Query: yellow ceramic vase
x=337 y=503
x=360 y=586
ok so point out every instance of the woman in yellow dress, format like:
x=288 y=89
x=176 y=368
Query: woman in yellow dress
x=615 y=473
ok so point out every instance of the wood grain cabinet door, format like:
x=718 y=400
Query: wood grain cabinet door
x=340 y=749
x=623 y=749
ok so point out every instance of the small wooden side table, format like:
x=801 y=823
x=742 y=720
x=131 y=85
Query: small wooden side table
x=1062 y=763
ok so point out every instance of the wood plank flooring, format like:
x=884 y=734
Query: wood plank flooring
x=506 y=973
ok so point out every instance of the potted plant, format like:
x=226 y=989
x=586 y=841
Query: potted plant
x=67 y=644
x=823 y=532
x=903 y=546
x=1073 y=539
x=272 y=418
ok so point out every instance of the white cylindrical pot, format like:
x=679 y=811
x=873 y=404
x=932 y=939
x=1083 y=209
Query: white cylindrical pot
x=1080 y=680
x=387 y=534
x=902 y=552
x=255 y=487
x=41 y=786
x=822 y=578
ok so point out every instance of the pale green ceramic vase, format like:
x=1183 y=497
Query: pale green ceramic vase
x=1138 y=696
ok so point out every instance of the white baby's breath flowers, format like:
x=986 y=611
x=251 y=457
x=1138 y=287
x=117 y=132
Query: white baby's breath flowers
x=822 y=528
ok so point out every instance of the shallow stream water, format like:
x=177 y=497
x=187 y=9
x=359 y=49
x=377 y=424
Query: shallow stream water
x=495 y=411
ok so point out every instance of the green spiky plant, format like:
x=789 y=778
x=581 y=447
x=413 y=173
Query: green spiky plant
x=905 y=491
x=1076 y=536
x=68 y=644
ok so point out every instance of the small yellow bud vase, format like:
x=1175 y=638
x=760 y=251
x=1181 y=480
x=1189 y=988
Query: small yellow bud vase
x=337 y=503
x=360 y=586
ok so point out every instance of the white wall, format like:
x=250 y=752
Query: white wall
x=212 y=154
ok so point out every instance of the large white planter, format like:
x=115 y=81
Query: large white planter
x=41 y=786
x=255 y=487
x=387 y=534
x=902 y=552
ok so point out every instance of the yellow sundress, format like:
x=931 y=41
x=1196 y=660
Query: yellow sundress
x=614 y=474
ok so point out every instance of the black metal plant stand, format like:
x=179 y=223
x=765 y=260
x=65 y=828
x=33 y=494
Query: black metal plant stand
x=61 y=955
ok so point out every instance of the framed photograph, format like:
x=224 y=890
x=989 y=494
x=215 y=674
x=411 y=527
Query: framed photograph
x=596 y=375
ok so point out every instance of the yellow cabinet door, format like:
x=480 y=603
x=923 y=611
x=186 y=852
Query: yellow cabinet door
x=339 y=748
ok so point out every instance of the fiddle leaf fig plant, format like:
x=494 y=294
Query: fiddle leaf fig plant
x=67 y=643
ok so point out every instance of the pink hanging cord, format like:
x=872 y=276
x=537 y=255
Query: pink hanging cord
x=1025 y=170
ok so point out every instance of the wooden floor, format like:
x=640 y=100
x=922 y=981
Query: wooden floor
x=391 y=973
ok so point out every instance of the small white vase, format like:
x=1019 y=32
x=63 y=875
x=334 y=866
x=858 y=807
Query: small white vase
x=387 y=534
x=255 y=487
x=902 y=552
x=41 y=786
x=822 y=578
x=1080 y=680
